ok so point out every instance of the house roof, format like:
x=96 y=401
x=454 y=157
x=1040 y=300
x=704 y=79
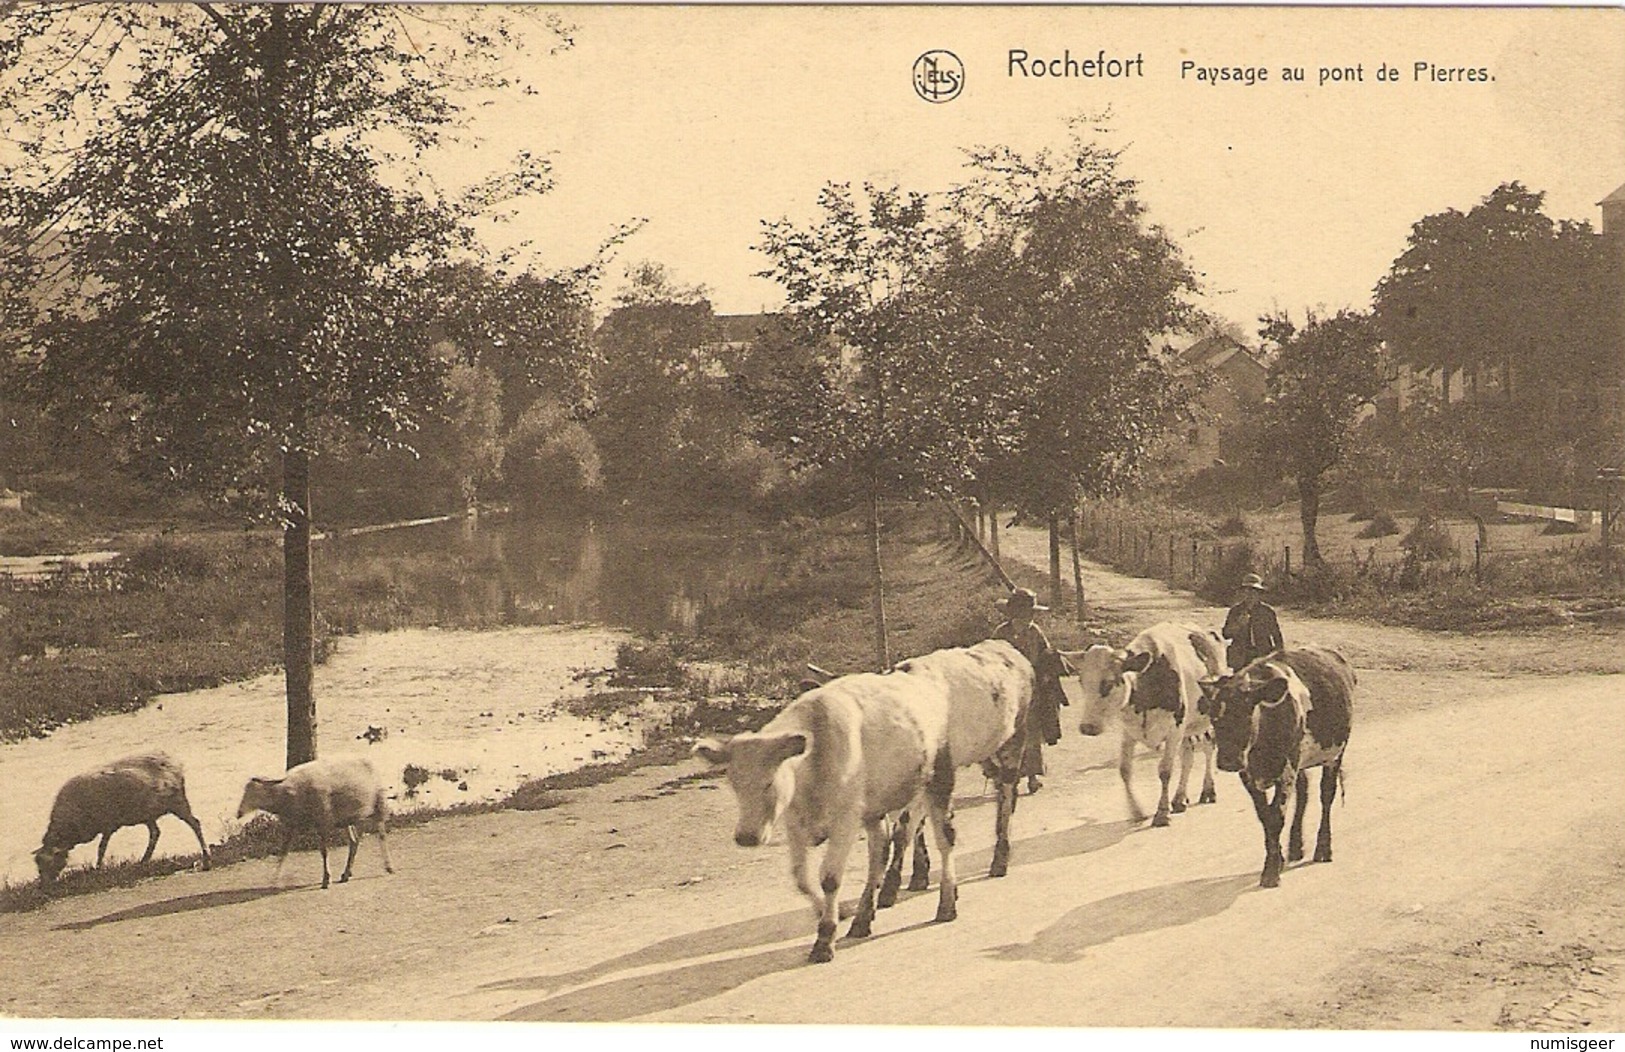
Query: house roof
x=742 y=328
x=1211 y=352
x=1614 y=198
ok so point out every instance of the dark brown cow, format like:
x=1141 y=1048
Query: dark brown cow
x=1272 y=721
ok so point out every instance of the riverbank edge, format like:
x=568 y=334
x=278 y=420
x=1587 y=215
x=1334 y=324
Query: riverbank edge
x=931 y=583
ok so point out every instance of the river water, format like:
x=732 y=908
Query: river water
x=480 y=711
x=640 y=576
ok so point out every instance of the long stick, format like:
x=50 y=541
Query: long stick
x=991 y=560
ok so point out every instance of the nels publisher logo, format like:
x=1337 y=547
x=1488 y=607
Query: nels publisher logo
x=939 y=76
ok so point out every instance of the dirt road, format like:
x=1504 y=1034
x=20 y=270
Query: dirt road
x=1479 y=883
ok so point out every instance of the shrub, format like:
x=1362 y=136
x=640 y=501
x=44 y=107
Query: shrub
x=1224 y=578
x=1430 y=539
x=1234 y=526
x=165 y=560
x=646 y=665
x=1380 y=524
x=413 y=776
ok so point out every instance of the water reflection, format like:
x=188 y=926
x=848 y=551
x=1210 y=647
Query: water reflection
x=643 y=577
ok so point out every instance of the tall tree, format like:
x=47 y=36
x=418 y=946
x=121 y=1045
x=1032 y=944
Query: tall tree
x=650 y=370
x=855 y=391
x=1060 y=287
x=1501 y=287
x=202 y=221
x=1322 y=377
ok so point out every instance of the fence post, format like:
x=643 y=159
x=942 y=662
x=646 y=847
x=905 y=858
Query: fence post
x=1194 y=570
x=1172 y=577
x=1478 y=556
x=1288 y=550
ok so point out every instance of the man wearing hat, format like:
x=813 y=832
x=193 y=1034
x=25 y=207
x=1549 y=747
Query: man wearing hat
x=1251 y=626
x=1044 y=721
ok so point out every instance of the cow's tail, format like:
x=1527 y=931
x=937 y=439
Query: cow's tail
x=1342 y=784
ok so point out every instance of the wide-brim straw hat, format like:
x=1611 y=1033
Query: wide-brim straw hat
x=1021 y=601
x=1253 y=581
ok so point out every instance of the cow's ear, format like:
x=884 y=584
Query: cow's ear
x=711 y=750
x=789 y=745
x=1137 y=662
x=1272 y=692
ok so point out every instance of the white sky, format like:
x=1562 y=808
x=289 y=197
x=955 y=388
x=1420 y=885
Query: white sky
x=707 y=120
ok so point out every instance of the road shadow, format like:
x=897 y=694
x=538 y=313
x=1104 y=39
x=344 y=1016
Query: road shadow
x=639 y=995
x=1047 y=847
x=184 y=904
x=584 y=999
x=1133 y=912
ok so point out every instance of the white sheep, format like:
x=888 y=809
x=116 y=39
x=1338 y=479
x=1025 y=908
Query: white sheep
x=133 y=791
x=323 y=793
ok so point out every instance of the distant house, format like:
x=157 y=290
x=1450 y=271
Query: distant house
x=1237 y=382
x=1599 y=382
x=735 y=335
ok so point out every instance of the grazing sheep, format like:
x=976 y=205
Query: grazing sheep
x=323 y=794
x=134 y=791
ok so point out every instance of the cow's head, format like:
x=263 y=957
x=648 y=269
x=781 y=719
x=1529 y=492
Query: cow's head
x=1232 y=703
x=762 y=780
x=50 y=860
x=1106 y=675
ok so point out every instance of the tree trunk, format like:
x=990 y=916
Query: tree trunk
x=1077 y=564
x=993 y=533
x=1056 y=598
x=1309 y=515
x=298 y=609
x=882 y=650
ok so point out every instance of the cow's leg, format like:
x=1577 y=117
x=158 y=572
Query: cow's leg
x=152 y=840
x=1328 y=793
x=1187 y=755
x=101 y=850
x=349 y=862
x=841 y=839
x=383 y=839
x=942 y=827
x=1300 y=801
x=324 y=828
x=920 y=877
x=1001 y=823
x=875 y=830
x=1165 y=772
x=798 y=871
x=896 y=846
x=197 y=830
x=1270 y=817
x=1209 y=794
x=939 y=804
x=1125 y=768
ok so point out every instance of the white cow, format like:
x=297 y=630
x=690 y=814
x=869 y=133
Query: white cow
x=1155 y=686
x=850 y=754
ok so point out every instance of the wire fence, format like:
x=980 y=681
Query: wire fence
x=1214 y=565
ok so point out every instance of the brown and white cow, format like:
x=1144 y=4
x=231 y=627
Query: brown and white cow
x=1154 y=685
x=847 y=756
x=1272 y=721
